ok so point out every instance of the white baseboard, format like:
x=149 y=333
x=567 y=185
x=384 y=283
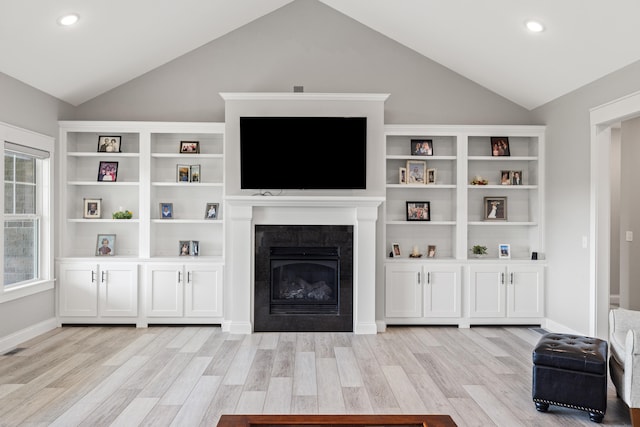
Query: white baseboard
x=12 y=341
x=552 y=326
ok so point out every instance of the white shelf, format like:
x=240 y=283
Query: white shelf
x=461 y=153
x=104 y=183
x=187 y=184
x=502 y=158
x=186 y=156
x=502 y=187
x=104 y=220
x=422 y=186
x=175 y=221
x=101 y=155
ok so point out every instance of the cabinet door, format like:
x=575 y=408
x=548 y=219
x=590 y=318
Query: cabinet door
x=525 y=291
x=118 y=290
x=164 y=292
x=442 y=290
x=403 y=290
x=78 y=289
x=487 y=291
x=203 y=290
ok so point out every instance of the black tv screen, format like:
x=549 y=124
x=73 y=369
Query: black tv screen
x=310 y=153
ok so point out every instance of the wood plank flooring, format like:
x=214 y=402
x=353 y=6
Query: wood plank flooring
x=189 y=376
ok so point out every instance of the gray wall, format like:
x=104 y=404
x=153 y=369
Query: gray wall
x=304 y=43
x=568 y=192
x=629 y=215
x=31 y=109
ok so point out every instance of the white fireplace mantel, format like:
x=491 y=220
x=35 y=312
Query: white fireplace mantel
x=244 y=212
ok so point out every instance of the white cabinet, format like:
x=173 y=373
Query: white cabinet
x=498 y=291
x=416 y=291
x=92 y=291
x=183 y=290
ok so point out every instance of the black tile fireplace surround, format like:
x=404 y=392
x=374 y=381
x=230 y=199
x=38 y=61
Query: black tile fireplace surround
x=333 y=312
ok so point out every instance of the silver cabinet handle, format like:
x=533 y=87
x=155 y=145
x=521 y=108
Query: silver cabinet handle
x=93 y=276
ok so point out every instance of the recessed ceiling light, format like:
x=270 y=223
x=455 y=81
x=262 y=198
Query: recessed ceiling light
x=67 y=20
x=535 y=26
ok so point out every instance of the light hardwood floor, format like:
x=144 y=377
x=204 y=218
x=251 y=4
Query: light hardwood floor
x=189 y=376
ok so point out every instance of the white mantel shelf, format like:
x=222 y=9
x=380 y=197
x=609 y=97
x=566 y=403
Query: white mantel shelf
x=302 y=96
x=308 y=201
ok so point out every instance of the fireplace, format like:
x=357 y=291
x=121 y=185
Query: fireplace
x=303 y=278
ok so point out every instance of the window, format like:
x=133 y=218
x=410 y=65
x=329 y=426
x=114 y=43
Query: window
x=22 y=218
x=27 y=195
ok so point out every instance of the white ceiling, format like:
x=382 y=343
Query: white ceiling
x=483 y=40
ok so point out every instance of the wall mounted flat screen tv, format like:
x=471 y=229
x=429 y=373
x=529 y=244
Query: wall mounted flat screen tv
x=311 y=153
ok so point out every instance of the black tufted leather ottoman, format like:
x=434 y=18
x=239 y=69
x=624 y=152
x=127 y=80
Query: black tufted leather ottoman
x=571 y=371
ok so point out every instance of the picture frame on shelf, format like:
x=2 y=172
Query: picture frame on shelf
x=431 y=251
x=166 y=210
x=495 y=208
x=211 y=211
x=106 y=245
x=419 y=211
x=184 y=247
x=505 y=177
x=194 y=173
x=92 y=208
x=416 y=170
x=183 y=173
x=516 y=177
x=108 y=171
x=195 y=247
x=402 y=175
x=431 y=176
x=422 y=147
x=109 y=144
x=395 y=250
x=500 y=146
x=189 y=147
x=504 y=251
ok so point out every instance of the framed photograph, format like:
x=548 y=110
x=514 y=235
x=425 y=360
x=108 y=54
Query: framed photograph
x=108 y=171
x=106 y=245
x=516 y=177
x=431 y=251
x=109 y=144
x=402 y=174
x=195 y=173
x=500 y=146
x=190 y=147
x=495 y=208
x=183 y=173
x=92 y=208
x=195 y=247
x=505 y=177
x=431 y=176
x=211 y=211
x=504 y=251
x=395 y=250
x=416 y=170
x=184 y=248
x=422 y=147
x=418 y=211
x=166 y=210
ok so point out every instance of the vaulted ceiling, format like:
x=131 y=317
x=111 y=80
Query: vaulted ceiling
x=483 y=40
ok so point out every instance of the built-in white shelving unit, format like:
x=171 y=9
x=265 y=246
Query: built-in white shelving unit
x=459 y=220
x=147 y=176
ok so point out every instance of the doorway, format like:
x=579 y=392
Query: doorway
x=603 y=119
